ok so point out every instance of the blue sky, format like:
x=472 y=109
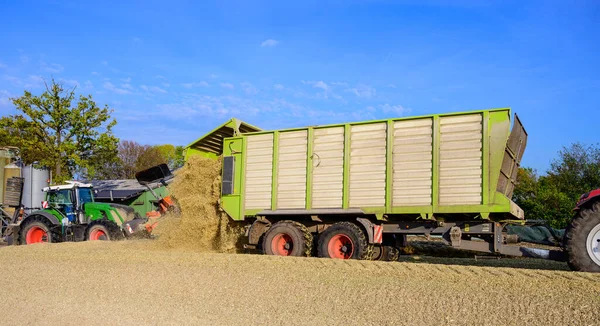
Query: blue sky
x=173 y=70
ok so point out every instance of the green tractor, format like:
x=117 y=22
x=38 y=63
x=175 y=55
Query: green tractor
x=69 y=213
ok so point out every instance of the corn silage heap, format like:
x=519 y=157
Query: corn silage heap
x=201 y=226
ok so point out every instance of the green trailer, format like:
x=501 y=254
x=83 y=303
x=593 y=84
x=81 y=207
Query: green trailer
x=356 y=190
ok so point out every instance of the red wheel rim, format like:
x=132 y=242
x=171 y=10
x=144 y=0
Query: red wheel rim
x=282 y=245
x=98 y=234
x=340 y=246
x=36 y=235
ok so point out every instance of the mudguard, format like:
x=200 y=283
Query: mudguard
x=588 y=197
x=48 y=216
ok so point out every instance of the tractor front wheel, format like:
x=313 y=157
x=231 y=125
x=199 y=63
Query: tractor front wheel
x=97 y=232
x=582 y=239
x=106 y=231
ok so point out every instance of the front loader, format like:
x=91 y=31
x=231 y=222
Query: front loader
x=165 y=204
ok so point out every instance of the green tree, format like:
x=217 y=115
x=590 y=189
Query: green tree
x=553 y=196
x=68 y=138
x=172 y=154
x=151 y=156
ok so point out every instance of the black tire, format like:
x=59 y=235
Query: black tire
x=580 y=231
x=103 y=230
x=39 y=225
x=287 y=238
x=385 y=253
x=393 y=254
x=344 y=240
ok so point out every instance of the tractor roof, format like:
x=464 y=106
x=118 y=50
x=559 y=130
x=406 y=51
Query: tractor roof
x=69 y=185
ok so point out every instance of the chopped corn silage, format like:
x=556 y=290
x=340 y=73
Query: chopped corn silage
x=202 y=225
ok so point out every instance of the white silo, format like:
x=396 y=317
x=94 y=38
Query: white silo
x=35 y=180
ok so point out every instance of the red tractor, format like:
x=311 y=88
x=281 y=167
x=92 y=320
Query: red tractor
x=582 y=236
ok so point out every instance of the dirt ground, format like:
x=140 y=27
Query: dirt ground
x=131 y=282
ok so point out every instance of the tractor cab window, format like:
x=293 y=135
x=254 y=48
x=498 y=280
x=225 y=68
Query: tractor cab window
x=62 y=200
x=85 y=195
x=60 y=197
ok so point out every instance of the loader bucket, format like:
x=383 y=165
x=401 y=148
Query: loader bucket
x=153 y=174
x=515 y=147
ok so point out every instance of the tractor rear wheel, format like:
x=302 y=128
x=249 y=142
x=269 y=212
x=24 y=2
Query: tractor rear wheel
x=35 y=231
x=582 y=240
x=287 y=238
x=344 y=240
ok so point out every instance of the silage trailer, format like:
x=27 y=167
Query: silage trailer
x=356 y=190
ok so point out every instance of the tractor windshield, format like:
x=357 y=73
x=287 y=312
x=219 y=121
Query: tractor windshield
x=60 y=197
x=85 y=195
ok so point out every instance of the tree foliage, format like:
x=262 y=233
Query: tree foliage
x=68 y=138
x=553 y=196
x=134 y=157
x=172 y=154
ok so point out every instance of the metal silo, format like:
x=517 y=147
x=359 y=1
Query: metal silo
x=35 y=180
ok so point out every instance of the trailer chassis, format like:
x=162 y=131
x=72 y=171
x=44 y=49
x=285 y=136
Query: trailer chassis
x=475 y=235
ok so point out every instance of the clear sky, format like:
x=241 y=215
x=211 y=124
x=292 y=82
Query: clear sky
x=173 y=70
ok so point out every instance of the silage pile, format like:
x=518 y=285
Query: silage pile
x=201 y=226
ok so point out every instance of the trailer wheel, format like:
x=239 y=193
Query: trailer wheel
x=36 y=231
x=287 y=238
x=385 y=253
x=582 y=240
x=344 y=240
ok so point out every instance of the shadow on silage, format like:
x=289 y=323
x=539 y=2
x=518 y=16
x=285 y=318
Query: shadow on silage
x=438 y=253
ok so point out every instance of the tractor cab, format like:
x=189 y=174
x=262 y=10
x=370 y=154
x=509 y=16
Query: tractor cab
x=69 y=199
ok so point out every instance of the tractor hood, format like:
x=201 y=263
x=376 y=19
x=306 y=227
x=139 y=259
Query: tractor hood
x=114 y=212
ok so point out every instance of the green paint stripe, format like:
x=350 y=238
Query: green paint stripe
x=253 y=212
x=309 y=167
x=243 y=177
x=379 y=121
x=485 y=169
x=275 y=170
x=412 y=210
x=435 y=191
x=389 y=168
x=346 y=189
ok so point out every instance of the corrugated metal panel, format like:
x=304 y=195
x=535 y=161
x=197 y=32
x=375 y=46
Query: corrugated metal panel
x=328 y=168
x=515 y=147
x=259 y=170
x=291 y=175
x=412 y=163
x=367 y=165
x=461 y=160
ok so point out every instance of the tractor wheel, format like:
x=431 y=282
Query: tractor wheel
x=582 y=240
x=36 y=231
x=385 y=253
x=102 y=231
x=97 y=232
x=344 y=240
x=287 y=238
